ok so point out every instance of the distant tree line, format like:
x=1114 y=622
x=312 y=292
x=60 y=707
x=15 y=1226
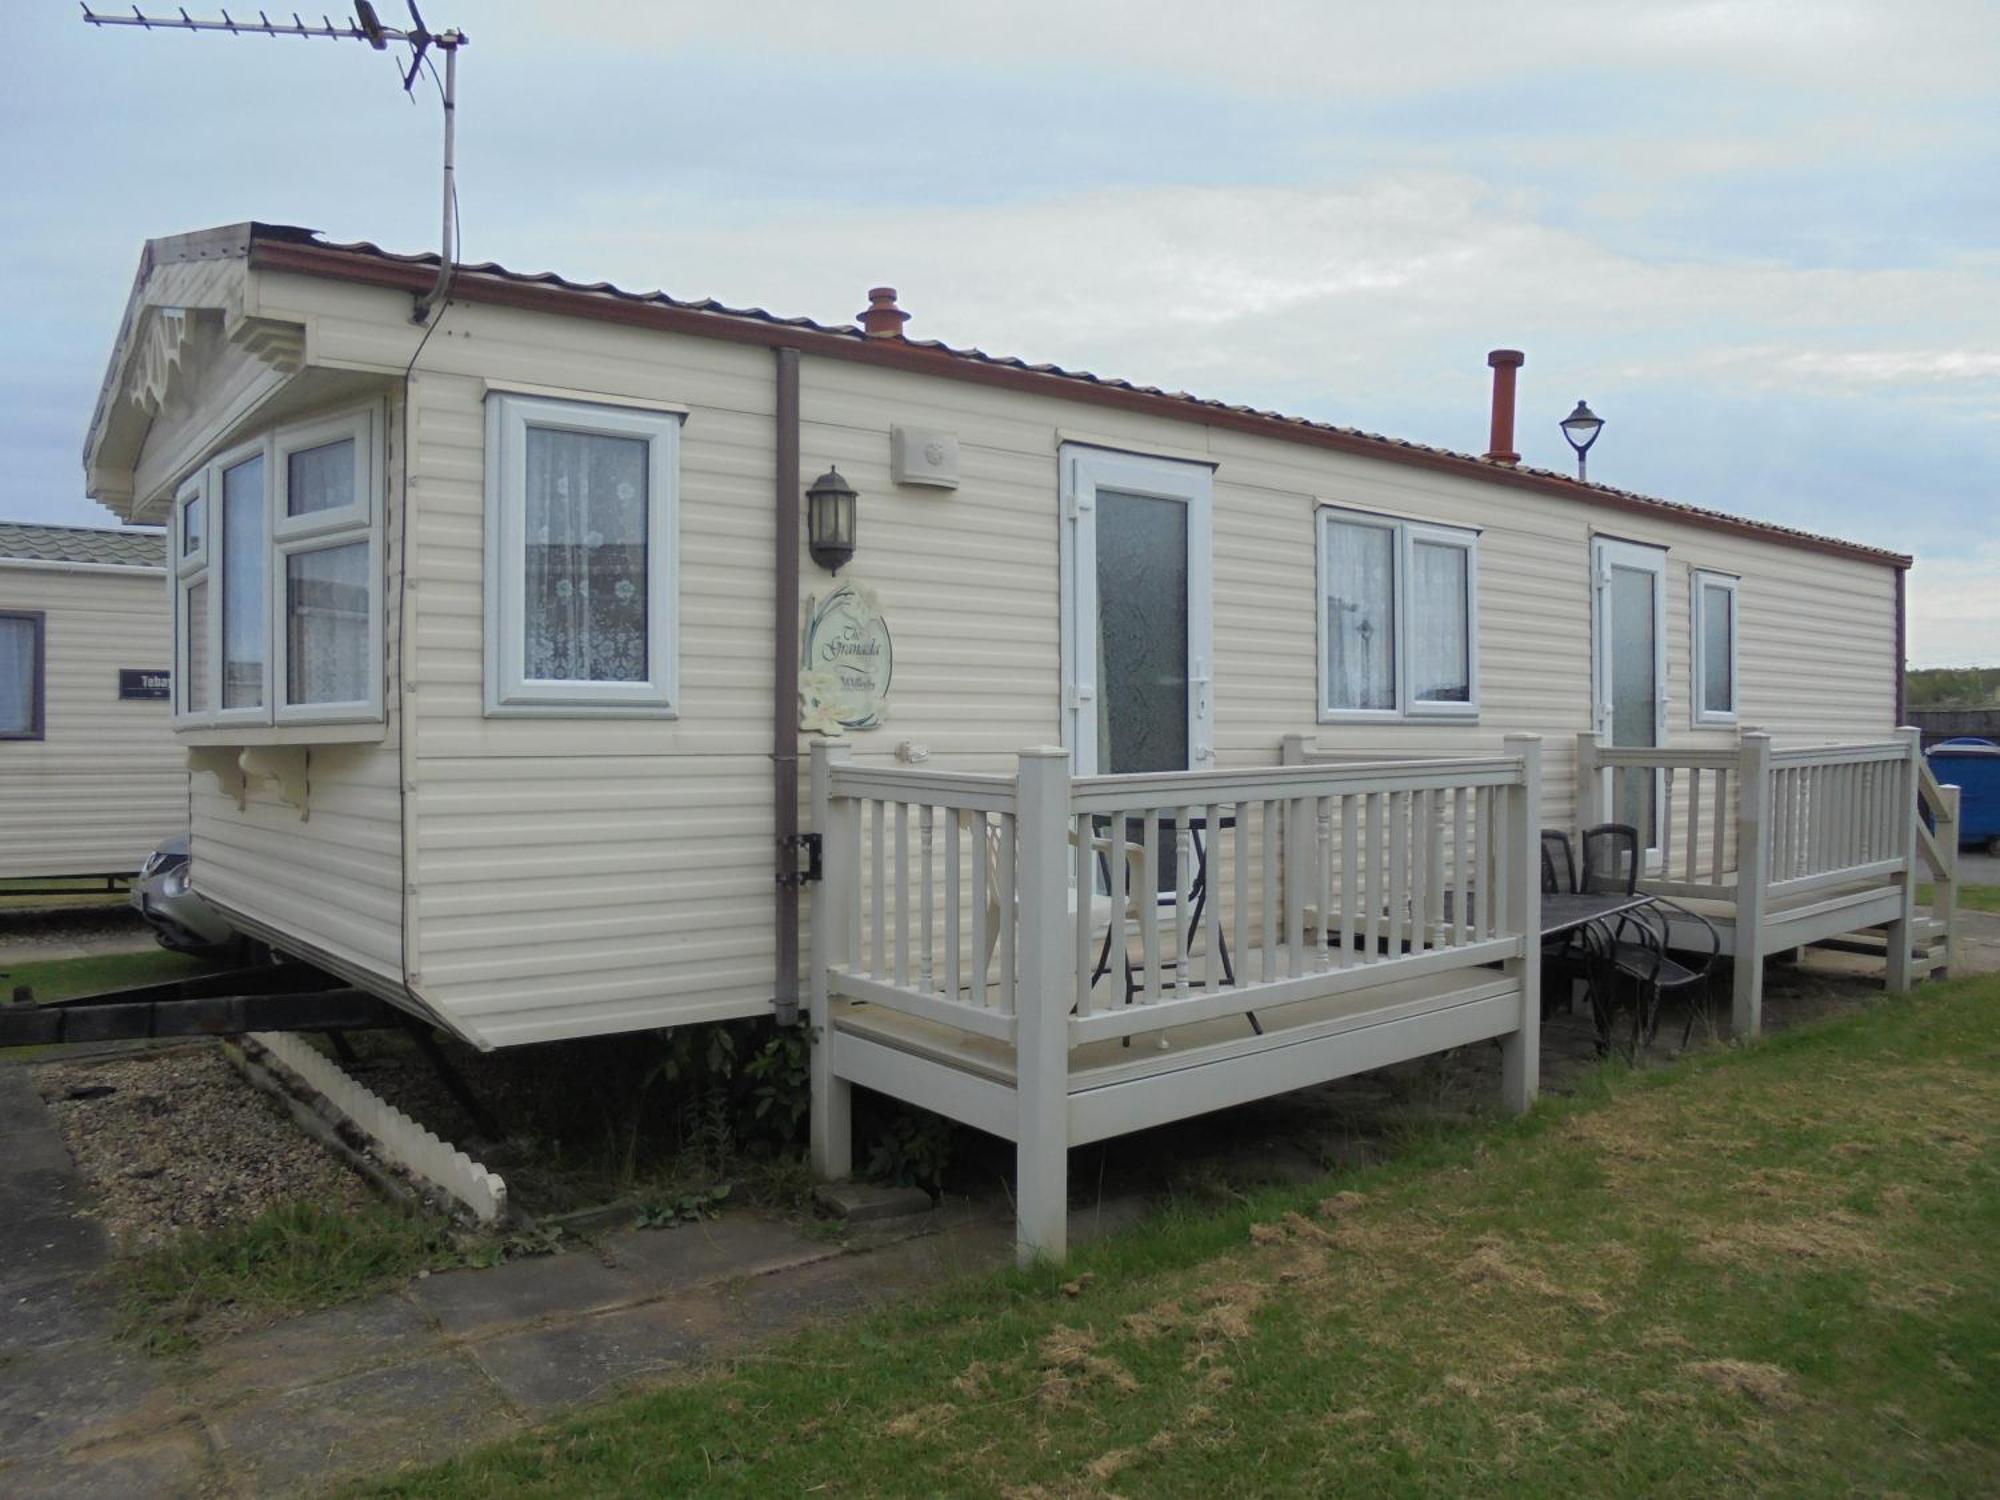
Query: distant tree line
x=1954 y=687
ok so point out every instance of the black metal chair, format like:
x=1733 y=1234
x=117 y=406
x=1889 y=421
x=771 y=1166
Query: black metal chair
x=1565 y=957
x=1639 y=945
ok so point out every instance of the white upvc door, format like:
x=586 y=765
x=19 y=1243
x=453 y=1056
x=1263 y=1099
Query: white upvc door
x=1137 y=616
x=1629 y=677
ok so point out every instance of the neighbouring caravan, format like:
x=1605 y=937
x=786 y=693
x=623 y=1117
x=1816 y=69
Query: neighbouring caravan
x=499 y=646
x=92 y=775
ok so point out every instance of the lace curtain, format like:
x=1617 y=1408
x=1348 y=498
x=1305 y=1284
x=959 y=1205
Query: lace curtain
x=244 y=622
x=1361 y=617
x=1440 y=665
x=17 y=676
x=326 y=623
x=585 y=596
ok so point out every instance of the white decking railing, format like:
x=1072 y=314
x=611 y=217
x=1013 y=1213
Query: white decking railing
x=1797 y=840
x=1046 y=913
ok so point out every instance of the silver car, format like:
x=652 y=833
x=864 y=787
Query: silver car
x=164 y=895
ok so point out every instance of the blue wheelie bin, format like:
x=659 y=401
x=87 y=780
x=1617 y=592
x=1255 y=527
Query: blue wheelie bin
x=1973 y=766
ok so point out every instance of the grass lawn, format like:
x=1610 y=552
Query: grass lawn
x=62 y=978
x=1970 y=897
x=1773 y=1270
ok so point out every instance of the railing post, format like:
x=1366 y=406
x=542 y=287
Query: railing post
x=1292 y=750
x=1521 y=1050
x=1046 y=981
x=1753 y=848
x=1589 y=788
x=1944 y=890
x=832 y=1096
x=1900 y=967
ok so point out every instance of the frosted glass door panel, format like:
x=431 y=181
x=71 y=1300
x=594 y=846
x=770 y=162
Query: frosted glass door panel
x=1634 y=613
x=1142 y=634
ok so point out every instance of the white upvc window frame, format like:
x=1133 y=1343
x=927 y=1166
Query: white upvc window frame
x=190 y=567
x=1408 y=535
x=218 y=584
x=1700 y=581
x=510 y=692
x=284 y=537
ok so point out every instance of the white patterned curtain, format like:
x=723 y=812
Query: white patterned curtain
x=586 y=602
x=1360 y=617
x=1440 y=661
x=326 y=608
x=17 y=676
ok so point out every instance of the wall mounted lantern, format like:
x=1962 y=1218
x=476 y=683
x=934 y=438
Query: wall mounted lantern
x=830 y=520
x=1581 y=428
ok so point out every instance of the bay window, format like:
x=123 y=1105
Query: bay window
x=1713 y=634
x=1398 y=619
x=278 y=579
x=581 y=568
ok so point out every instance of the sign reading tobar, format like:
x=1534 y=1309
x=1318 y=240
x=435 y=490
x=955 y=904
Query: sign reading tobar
x=137 y=682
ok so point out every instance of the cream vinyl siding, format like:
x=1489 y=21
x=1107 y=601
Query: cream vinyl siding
x=107 y=781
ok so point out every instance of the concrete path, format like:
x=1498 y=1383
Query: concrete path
x=408 y=1378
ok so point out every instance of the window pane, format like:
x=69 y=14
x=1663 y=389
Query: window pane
x=1142 y=634
x=243 y=584
x=1361 y=617
x=319 y=478
x=1718 y=692
x=326 y=625
x=192 y=521
x=1440 y=650
x=17 y=676
x=586 y=557
x=194 y=693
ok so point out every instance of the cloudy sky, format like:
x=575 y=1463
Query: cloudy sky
x=1759 y=237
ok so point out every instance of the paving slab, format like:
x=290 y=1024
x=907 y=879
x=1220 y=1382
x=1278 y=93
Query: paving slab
x=864 y=1202
x=26 y=1191
x=53 y=1398
x=373 y=1423
x=737 y=1244
x=166 y=1465
x=47 y=1246
x=309 y=1350
x=545 y=1370
x=470 y=1302
x=43 y=1314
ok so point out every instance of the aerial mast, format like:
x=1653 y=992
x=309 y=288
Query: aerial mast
x=367 y=27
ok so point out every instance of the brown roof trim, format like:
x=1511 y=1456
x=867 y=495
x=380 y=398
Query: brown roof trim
x=495 y=286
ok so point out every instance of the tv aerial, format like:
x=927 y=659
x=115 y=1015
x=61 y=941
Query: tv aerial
x=364 y=26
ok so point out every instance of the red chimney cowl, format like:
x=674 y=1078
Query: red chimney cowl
x=1500 y=444
x=882 y=319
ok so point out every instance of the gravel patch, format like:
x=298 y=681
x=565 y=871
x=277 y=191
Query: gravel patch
x=181 y=1142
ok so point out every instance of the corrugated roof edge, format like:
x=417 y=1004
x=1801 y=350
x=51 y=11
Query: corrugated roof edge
x=286 y=248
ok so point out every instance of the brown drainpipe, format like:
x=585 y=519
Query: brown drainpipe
x=1500 y=446
x=1902 y=647
x=785 y=689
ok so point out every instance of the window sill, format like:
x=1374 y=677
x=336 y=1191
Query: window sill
x=1361 y=716
x=282 y=734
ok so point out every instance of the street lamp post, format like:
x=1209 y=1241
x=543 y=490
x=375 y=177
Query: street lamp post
x=1581 y=427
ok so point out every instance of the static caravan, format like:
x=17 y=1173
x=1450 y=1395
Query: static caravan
x=91 y=773
x=580 y=661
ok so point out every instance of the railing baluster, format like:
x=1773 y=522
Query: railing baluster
x=1183 y=889
x=1723 y=820
x=1484 y=881
x=1010 y=904
x=1503 y=865
x=926 y=839
x=1083 y=872
x=1269 y=823
x=1241 y=916
x=902 y=893
x=1434 y=863
x=953 y=853
x=876 y=910
x=1694 y=827
x=1349 y=879
x=1149 y=901
x=1399 y=870
x=1211 y=898
x=1372 y=855
x=982 y=853
x=1420 y=870
x=1323 y=882
x=1461 y=865
x=1665 y=782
